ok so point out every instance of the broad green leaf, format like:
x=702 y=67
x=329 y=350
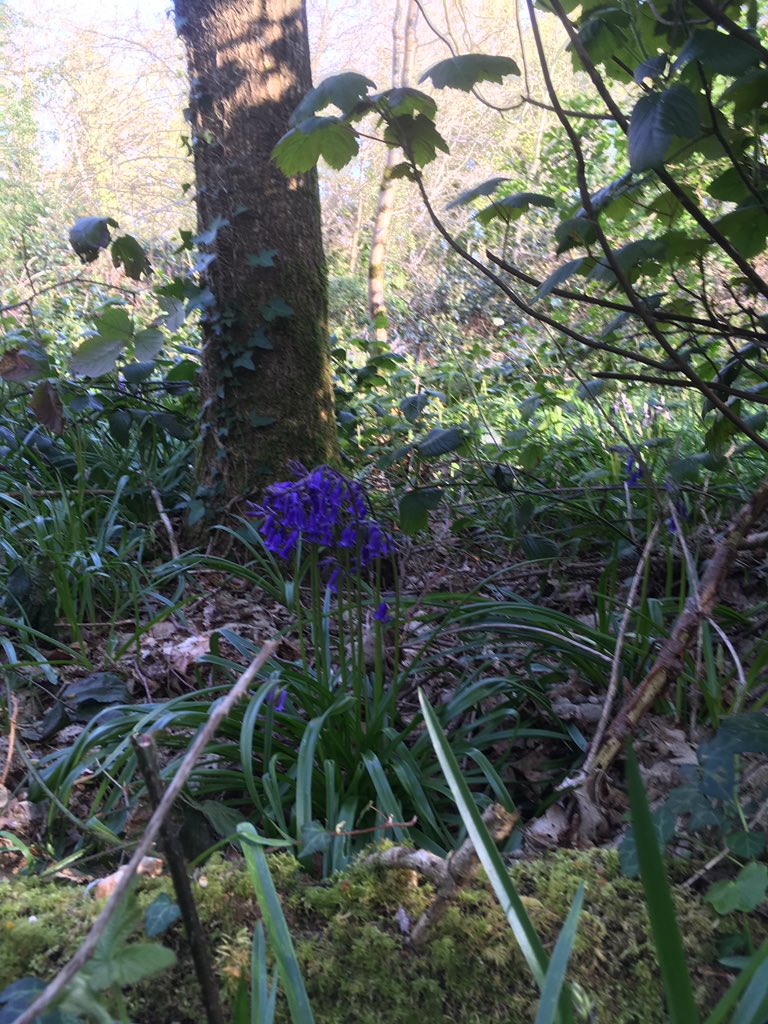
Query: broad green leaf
x=486 y=188
x=561 y=275
x=119 y=423
x=115 y=324
x=664 y=927
x=89 y=235
x=274 y=309
x=343 y=91
x=746 y=228
x=405 y=100
x=412 y=406
x=264 y=258
x=440 y=441
x=276 y=926
x=148 y=344
x=97 y=356
x=719 y=52
x=747 y=93
x=574 y=231
x=651 y=68
x=326 y=137
x=414 y=506
x=129 y=254
x=656 y=119
x=745 y=892
x=509 y=208
x=469 y=70
x=417 y=136
x=633 y=259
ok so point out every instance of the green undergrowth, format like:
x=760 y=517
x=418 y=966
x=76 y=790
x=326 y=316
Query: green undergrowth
x=355 y=960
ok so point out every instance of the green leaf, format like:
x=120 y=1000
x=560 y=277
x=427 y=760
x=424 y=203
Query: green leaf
x=746 y=228
x=417 y=136
x=486 y=188
x=326 y=137
x=119 y=423
x=96 y=356
x=719 y=52
x=89 y=235
x=555 y=977
x=745 y=892
x=440 y=441
x=129 y=254
x=563 y=272
x=276 y=927
x=272 y=310
x=138 y=961
x=509 y=208
x=469 y=70
x=651 y=68
x=148 y=344
x=756 y=970
x=488 y=854
x=633 y=259
x=265 y=258
x=412 y=406
x=115 y=324
x=748 y=92
x=397 y=102
x=666 y=931
x=344 y=91
x=574 y=231
x=161 y=913
x=746 y=844
x=414 y=506
x=656 y=119
x=208 y=237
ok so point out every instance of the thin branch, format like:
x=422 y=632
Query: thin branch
x=87 y=948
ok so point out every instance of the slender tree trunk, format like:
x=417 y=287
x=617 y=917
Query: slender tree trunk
x=403 y=56
x=266 y=390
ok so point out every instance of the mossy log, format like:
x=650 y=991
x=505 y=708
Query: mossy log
x=356 y=960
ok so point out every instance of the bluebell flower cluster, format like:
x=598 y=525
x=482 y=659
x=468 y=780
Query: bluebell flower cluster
x=634 y=472
x=322 y=507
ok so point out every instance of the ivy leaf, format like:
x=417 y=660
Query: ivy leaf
x=486 y=188
x=129 y=254
x=719 y=52
x=89 y=235
x=161 y=913
x=469 y=70
x=265 y=258
x=344 y=91
x=302 y=146
x=656 y=119
x=208 y=237
x=414 y=506
x=260 y=340
x=509 y=208
x=273 y=309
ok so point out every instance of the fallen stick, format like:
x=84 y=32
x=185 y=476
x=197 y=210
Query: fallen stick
x=56 y=987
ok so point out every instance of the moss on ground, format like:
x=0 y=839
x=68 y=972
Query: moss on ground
x=356 y=964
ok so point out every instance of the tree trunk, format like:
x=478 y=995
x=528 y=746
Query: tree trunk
x=266 y=389
x=403 y=55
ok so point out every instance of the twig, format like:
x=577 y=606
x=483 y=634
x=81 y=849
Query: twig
x=146 y=756
x=389 y=823
x=164 y=518
x=13 y=711
x=218 y=713
x=699 y=605
x=613 y=683
x=448 y=874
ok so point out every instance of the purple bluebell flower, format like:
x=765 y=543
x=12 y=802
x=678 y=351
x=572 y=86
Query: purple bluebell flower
x=634 y=472
x=323 y=508
x=278 y=698
x=382 y=613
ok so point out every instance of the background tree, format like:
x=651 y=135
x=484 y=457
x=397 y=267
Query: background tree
x=266 y=393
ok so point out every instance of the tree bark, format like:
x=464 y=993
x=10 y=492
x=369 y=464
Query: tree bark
x=266 y=388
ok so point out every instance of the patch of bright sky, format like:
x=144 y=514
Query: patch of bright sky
x=89 y=11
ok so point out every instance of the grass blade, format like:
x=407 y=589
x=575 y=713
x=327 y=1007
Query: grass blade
x=666 y=932
x=728 y=1001
x=276 y=926
x=522 y=928
x=558 y=964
